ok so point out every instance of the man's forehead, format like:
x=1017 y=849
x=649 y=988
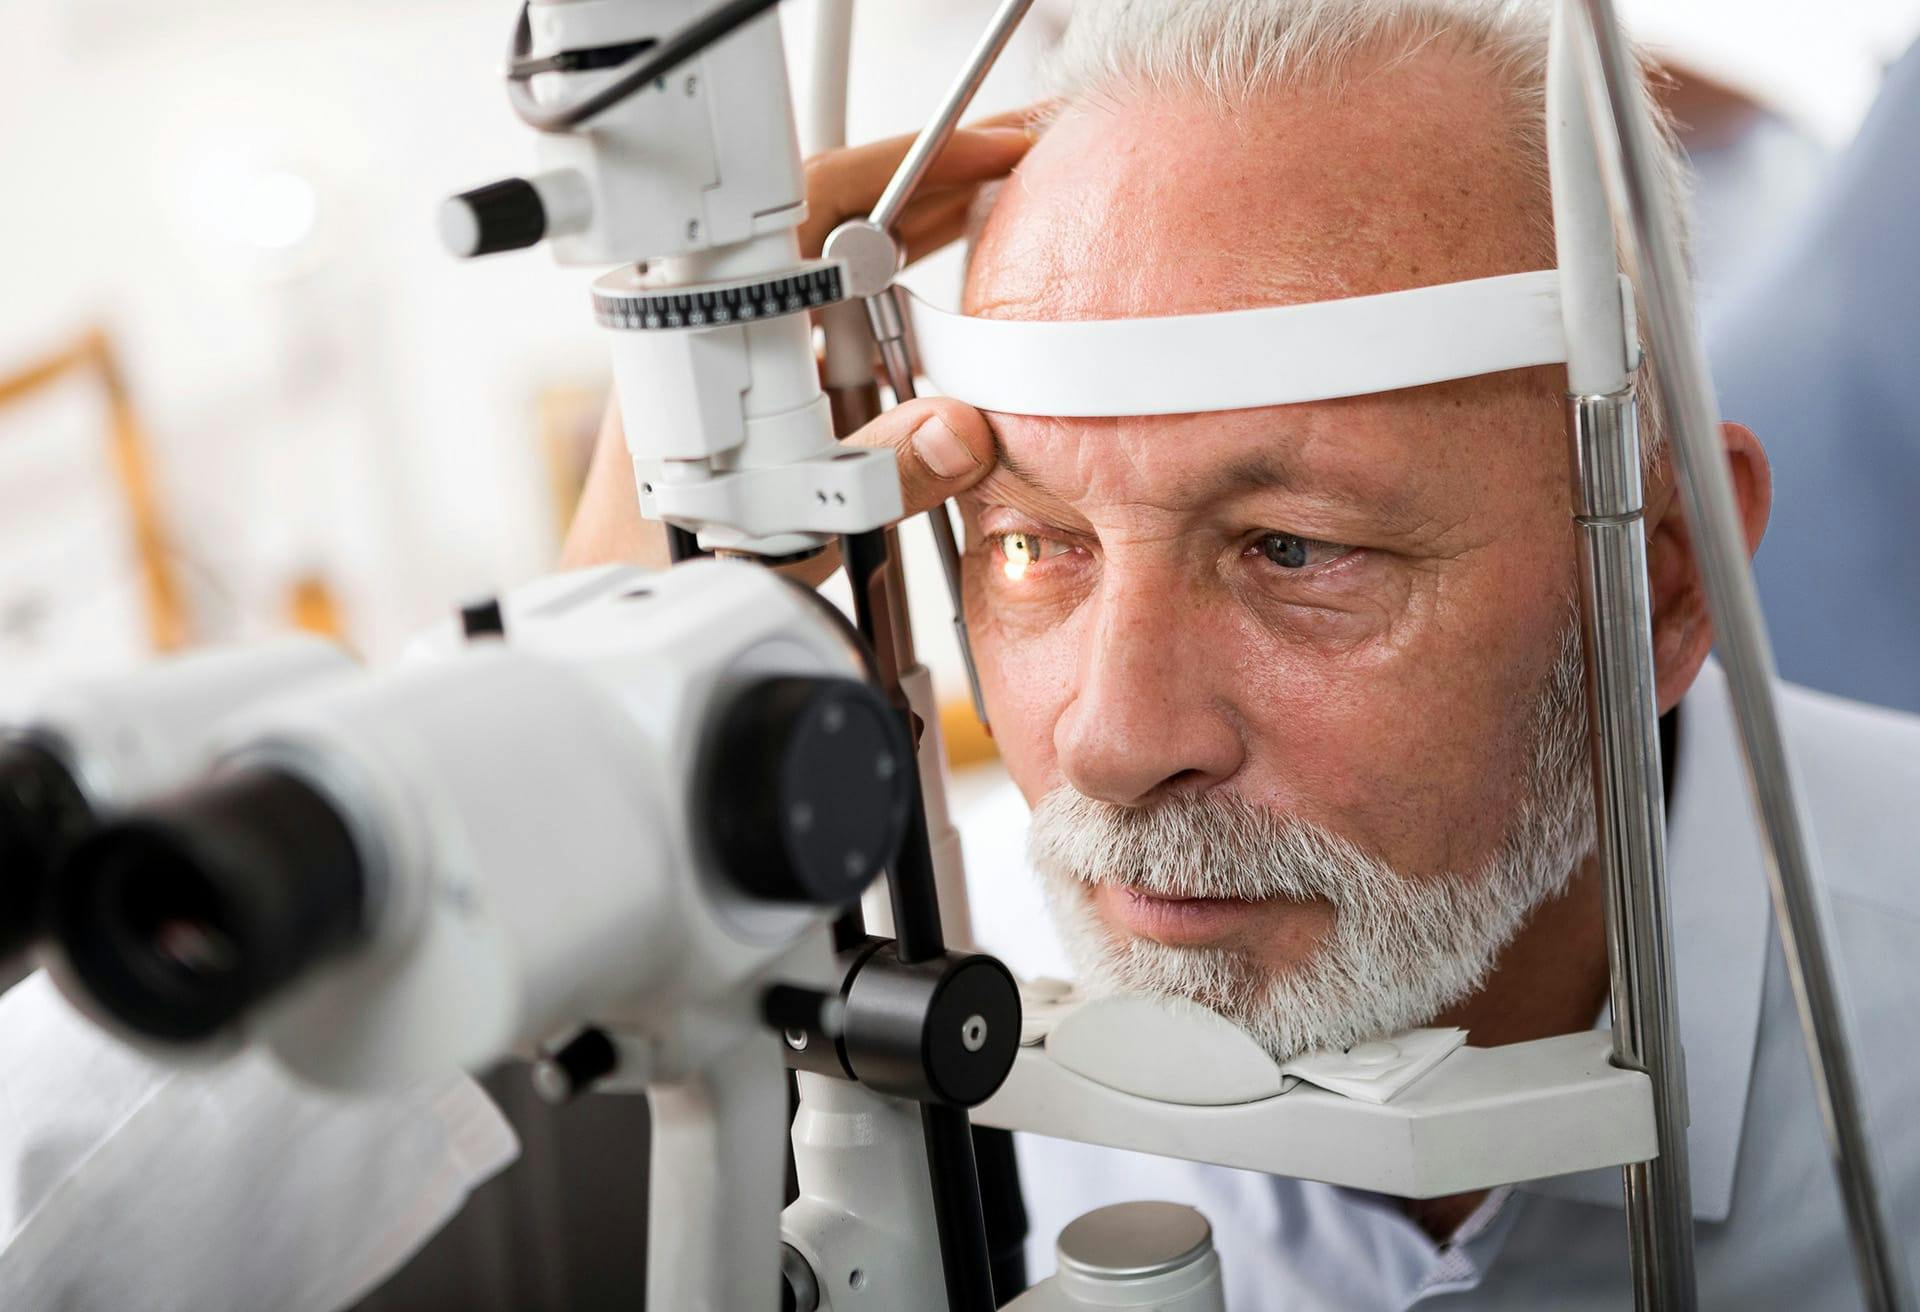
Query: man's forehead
x=1400 y=460
x=1406 y=177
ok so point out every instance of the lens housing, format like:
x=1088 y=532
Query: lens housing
x=43 y=814
x=808 y=783
x=180 y=917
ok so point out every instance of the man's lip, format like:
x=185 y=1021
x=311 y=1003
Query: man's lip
x=1174 y=921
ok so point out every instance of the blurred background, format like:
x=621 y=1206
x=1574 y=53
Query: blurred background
x=242 y=389
x=241 y=386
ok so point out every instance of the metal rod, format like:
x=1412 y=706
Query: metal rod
x=933 y=137
x=889 y=331
x=1617 y=623
x=1720 y=547
x=966 y=1257
x=959 y=1216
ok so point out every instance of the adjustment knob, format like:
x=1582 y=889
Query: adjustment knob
x=502 y=216
x=809 y=782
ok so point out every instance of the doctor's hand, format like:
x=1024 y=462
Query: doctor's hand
x=942 y=446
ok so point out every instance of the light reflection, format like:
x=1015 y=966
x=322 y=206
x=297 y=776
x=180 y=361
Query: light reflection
x=1019 y=551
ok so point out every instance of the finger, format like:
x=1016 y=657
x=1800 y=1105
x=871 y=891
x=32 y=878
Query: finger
x=942 y=446
x=842 y=184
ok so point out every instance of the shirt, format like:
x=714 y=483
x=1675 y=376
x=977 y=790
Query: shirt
x=1768 y=1227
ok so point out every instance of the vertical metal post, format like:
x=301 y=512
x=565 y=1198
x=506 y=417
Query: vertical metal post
x=1719 y=543
x=960 y=1219
x=1631 y=824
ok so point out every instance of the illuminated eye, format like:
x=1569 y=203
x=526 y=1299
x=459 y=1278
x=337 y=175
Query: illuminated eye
x=1019 y=552
x=1289 y=551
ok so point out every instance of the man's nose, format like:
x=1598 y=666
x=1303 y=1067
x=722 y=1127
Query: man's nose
x=1147 y=714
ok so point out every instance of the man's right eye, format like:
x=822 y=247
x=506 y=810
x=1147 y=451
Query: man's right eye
x=1021 y=552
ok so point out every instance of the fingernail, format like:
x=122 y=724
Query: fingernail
x=942 y=450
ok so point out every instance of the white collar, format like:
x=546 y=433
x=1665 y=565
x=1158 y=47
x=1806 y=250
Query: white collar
x=1721 y=922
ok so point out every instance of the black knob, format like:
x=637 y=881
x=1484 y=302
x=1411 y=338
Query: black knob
x=483 y=619
x=589 y=1057
x=501 y=216
x=808 y=784
x=945 y=1030
x=182 y=915
x=43 y=814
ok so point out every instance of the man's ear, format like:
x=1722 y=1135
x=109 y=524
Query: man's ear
x=1682 y=630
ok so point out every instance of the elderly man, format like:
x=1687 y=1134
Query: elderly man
x=1294 y=693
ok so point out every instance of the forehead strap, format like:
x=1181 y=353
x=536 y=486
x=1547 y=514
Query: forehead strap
x=1240 y=359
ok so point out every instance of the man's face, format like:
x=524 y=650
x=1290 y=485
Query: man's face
x=1342 y=614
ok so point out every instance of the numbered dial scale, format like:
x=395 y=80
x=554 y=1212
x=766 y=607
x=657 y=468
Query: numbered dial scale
x=622 y=301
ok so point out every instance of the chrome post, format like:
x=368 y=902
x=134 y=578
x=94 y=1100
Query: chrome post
x=1719 y=542
x=933 y=137
x=1617 y=622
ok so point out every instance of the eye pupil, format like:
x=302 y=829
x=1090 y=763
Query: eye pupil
x=1286 y=550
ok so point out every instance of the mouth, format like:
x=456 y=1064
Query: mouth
x=1174 y=921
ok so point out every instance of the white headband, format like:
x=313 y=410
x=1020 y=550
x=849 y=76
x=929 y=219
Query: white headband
x=1240 y=359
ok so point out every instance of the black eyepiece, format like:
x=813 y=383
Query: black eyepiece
x=43 y=814
x=183 y=915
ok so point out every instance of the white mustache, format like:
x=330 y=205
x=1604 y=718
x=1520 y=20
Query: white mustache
x=1214 y=845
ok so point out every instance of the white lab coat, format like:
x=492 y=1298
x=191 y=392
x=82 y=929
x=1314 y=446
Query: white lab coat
x=131 y=1186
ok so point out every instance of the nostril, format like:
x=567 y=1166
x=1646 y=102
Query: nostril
x=1188 y=781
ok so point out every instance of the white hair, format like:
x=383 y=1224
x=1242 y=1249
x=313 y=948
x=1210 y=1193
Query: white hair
x=1401 y=948
x=1235 y=51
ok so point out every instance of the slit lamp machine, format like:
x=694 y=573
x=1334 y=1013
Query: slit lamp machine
x=358 y=872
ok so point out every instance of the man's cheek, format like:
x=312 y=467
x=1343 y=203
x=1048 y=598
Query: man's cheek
x=1028 y=680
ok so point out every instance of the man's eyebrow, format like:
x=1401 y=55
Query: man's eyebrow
x=1006 y=460
x=1261 y=469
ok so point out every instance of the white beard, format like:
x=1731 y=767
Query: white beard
x=1400 y=950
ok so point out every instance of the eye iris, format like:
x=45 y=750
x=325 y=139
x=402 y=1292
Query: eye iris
x=1020 y=551
x=1286 y=550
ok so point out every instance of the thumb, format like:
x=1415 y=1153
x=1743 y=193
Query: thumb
x=942 y=446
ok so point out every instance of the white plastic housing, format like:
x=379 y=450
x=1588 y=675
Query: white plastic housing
x=864 y=1220
x=728 y=429
x=531 y=807
x=710 y=159
x=1483 y=1117
x=128 y=737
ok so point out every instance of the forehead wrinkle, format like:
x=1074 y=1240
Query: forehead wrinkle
x=1270 y=453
